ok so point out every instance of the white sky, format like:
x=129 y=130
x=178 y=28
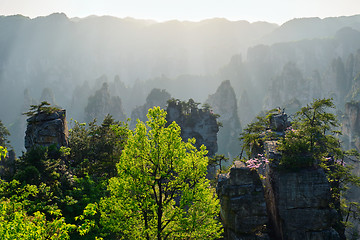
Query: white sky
x=278 y=11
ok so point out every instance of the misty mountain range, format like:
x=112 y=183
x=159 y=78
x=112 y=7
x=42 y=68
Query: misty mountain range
x=67 y=61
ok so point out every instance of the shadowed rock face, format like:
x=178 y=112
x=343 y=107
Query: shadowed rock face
x=199 y=124
x=293 y=205
x=47 y=129
x=298 y=204
x=243 y=209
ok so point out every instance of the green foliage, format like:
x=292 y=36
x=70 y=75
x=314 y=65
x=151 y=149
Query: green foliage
x=311 y=137
x=312 y=141
x=3 y=152
x=295 y=150
x=16 y=224
x=42 y=164
x=96 y=149
x=160 y=191
x=43 y=107
x=217 y=160
x=187 y=107
x=255 y=133
x=21 y=219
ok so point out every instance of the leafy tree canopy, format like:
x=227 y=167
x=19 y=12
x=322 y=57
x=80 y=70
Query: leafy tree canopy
x=160 y=191
x=95 y=148
x=43 y=107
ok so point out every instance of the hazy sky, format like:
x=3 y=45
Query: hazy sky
x=277 y=11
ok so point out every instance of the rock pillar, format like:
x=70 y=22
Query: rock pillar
x=47 y=129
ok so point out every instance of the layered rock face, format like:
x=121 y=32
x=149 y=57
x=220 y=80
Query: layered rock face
x=297 y=202
x=47 y=129
x=243 y=209
x=224 y=103
x=197 y=123
x=295 y=205
x=298 y=205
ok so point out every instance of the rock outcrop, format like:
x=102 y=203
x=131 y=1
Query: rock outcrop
x=102 y=103
x=224 y=103
x=298 y=205
x=297 y=202
x=156 y=98
x=47 y=129
x=195 y=123
x=243 y=209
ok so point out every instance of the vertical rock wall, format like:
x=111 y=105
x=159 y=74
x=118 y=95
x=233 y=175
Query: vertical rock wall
x=299 y=205
x=293 y=205
x=47 y=129
x=297 y=202
x=224 y=103
x=199 y=124
x=243 y=209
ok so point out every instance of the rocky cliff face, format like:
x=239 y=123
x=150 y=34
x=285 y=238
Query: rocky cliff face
x=243 y=209
x=224 y=103
x=47 y=129
x=295 y=206
x=298 y=204
x=195 y=123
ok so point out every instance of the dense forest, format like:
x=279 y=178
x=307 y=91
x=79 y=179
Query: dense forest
x=135 y=93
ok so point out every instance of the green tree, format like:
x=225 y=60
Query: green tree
x=254 y=134
x=95 y=149
x=312 y=141
x=3 y=152
x=4 y=133
x=311 y=137
x=19 y=218
x=160 y=191
x=43 y=107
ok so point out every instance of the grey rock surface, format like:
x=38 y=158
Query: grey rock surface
x=47 y=129
x=199 y=124
x=299 y=204
x=243 y=209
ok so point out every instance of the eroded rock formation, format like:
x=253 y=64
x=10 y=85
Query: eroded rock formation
x=195 y=123
x=224 y=103
x=243 y=209
x=47 y=129
x=299 y=204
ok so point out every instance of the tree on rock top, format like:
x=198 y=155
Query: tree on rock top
x=43 y=107
x=161 y=191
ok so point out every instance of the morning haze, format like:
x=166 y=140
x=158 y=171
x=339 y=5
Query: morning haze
x=71 y=58
x=108 y=92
